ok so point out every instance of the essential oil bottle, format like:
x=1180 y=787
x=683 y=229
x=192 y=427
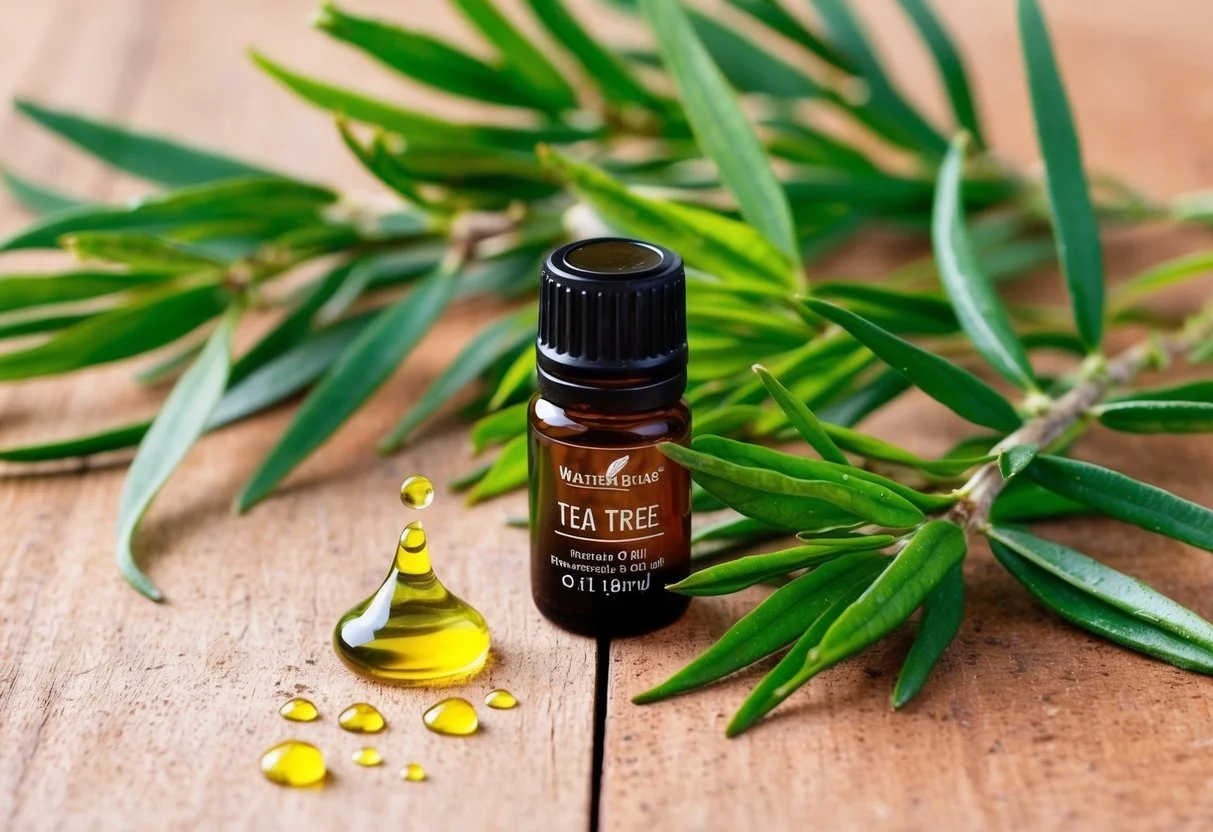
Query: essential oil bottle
x=610 y=514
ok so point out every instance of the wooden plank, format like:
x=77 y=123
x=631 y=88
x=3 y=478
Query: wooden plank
x=119 y=713
x=1028 y=723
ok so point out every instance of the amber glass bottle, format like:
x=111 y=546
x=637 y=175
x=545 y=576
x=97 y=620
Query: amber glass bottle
x=610 y=515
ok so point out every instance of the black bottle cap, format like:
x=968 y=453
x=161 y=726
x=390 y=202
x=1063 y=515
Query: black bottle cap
x=612 y=326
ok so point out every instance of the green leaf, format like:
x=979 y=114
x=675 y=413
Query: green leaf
x=1157 y=416
x=771 y=13
x=792 y=502
x=1192 y=391
x=114 y=439
x=493 y=342
x=723 y=247
x=1023 y=501
x=509 y=471
x=771 y=625
x=720 y=127
x=362 y=369
x=519 y=376
x=36 y=198
x=949 y=64
x=977 y=305
x=941 y=615
x=1090 y=613
x=137 y=250
x=1074 y=224
x=23 y=291
x=798 y=413
x=748 y=66
x=1169 y=273
x=38 y=324
x=867 y=398
x=1125 y=498
x=180 y=422
x=499 y=427
x=772 y=688
x=734 y=528
x=1121 y=591
x=1013 y=460
x=873 y=448
x=154 y=158
x=151 y=321
x=736 y=575
x=524 y=63
x=426 y=59
x=417 y=128
x=957 y=389
x=602 y=65
x=913 y=313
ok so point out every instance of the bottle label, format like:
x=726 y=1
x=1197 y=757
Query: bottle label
x=611 y=523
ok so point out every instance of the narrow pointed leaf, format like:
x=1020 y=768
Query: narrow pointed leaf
x=137 y=250
x=1074 y=225
x=180 y=422
x=1157 y=416
x=362 y=369
x=748 y=66
x=1090 y=613
x=735 y=528
x=113 y=439
x=1125 y=498
x=949 y=64
x=39 y=199
x=955 y=388
x=873 y=448
x=775 y=623
x=1192 y=391
x=802 y=418
x=771 y=13
x=499 y=427
x=865 y=400
x=720 y=127
x=22 y=291
x=941 y=615
x=519 y=376
x=509 y=471
x=977 y=305
x=148 y=156
x=1023 y=501
x=1169 y=273
x=908 y=313
x=1013 y=460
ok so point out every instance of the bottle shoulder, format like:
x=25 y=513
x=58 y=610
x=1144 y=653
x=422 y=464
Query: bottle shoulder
x=666 y=424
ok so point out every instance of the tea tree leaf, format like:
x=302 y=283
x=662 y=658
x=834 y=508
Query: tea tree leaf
x=1013 y=460
x=914 y=313
x=749 y=67
x=1157 y=416
x=1126 y=499
x=508 y=472
x=154 y=158
x=941 y=615
x=39 y=324
x=723 y=247
x=151 y=321
x=364 y=366
x=181 y=421
x=978 y=307
x=738 y=527
x=771 y=625
x=140 y=251
x=873 y=448
x=953 y=387
x=949 y=64
x=23 y=291
x=866 y=399
x=771 y=13
x=801 y=417
x=519 y=376
x=736 y=575
x=1090 y=613
x=499 y=427
x=114 y=439
x=1023 y=501
x=493 y=342
x=426 y=59
x=1108 y=585
x=1193 y=391
x=1074 y=223
x=720 y=127
x=1169 y=273
x=36 y=198
x=523 y=62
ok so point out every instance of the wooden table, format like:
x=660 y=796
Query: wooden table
x=118 y=713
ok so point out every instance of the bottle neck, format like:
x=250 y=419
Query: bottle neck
x=634 y=394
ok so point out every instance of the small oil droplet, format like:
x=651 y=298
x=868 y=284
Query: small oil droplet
x=413 y=772
x=299 y=710
x=293 y=763
x=368 y=757
x=417 y=492
x=361 y=718
x=501 y=699
x=453 y=717
x=413 y=630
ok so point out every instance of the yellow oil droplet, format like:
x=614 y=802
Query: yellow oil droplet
x=454 y=717
x=368 y=757
x=299 y=710
x=501 y=699
x=293 y=763
x=361 y=718
x=413 y=630
x=417 y=492
x=413 y=772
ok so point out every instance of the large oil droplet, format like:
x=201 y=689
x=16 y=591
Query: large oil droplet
x=361 y=718
x=298 y=710
x=501 y=699
x=454 y=717
x=293 y=763
x=413 y=772
x=413 y=630
x=368 y=757
x=417 y=492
